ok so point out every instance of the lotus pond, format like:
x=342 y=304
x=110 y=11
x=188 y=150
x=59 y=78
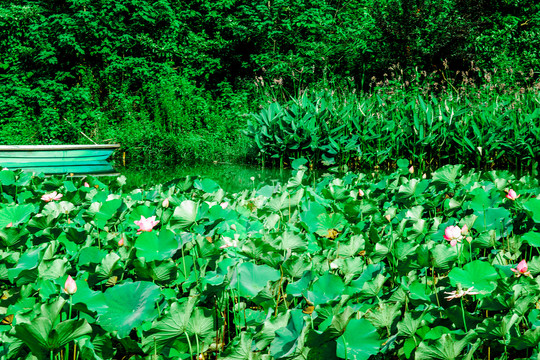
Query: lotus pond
x=396 y=266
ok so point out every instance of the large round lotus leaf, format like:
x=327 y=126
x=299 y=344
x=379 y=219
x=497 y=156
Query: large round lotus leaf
x=128 y=306
x=326 y=288
x=447 y=174
x=7 y=177
x=533 y=206
x=105 y=211
x=249 y=279
x=15 y=214
x=287 y=338
x=13 y=237
x=185 y=214
x=310 y=214
x=532 y=238
x=402 y=163
x=298 y=162
x=153 y=247
x=359 y=341
x=498 y=219
x=328 y=222
x=206 y=185
x=478 y=274
x=41 y=337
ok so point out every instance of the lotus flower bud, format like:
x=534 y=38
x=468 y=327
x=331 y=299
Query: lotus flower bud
x=512 y=195
x=165 y=203
x=70 y=287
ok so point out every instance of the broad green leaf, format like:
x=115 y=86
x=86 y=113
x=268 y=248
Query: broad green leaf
x=384 y=315
x=128 y=306
x=7 y=177
x=408 y=326
x=249 y=279
x=107 y=267
x=206 y=185
x=15 y=215
x=445 y=348
x=292 y=240
x=446 y=175
x=478 y=274
x=359 y=341
x=170 y=327
x=105 y=211
x=26 y=269
x=185 y=214
x=242 y=350
x=287 y=338
x=327 y=288
x=153 y=247
x=443 y=256
x=328 y=222
x=533 y=208
x=532 y=238
x=14 y=237
x=498 y=219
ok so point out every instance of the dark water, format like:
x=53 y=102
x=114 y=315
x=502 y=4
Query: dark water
x=231 y=177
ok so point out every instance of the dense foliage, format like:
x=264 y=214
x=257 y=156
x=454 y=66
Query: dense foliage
x=170 y=79
x=438 y=267
x=492 y=126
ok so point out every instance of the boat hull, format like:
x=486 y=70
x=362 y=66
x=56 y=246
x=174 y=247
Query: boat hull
x=22 y=156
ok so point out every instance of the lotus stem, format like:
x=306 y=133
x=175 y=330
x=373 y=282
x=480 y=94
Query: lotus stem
x=463 y=314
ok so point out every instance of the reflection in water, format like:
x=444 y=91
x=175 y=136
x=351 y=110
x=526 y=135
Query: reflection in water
x=96 y=168
x=231 y=177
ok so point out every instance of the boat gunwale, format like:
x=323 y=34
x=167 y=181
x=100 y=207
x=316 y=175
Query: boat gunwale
x=57 y=147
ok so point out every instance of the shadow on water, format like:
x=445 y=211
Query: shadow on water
x=231 y=177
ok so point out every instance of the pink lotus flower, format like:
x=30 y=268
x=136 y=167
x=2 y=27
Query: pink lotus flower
x=70 y=287
x=146 y=225
x=52 y=196
x=121 y=241
x=454 y=234
x=86 y=184
x=9 y=225
x=361 y=193
x=522 y=269
x=511 y=194
x=411 y=170
x=456 y=294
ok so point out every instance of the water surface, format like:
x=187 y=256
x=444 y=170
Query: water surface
x=231 y=177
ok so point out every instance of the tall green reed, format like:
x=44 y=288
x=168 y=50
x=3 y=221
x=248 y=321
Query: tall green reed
x=432 y=119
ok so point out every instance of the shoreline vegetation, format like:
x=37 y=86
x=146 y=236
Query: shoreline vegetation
x=434 y=82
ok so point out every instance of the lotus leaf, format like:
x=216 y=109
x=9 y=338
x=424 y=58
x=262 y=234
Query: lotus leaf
x=359 y=341
x=128 y=306
x=249 y=279
x=478 y=274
